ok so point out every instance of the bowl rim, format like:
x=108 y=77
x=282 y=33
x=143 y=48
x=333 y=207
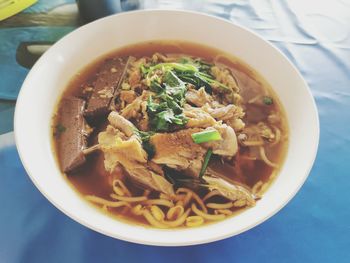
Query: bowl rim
x=220 y=236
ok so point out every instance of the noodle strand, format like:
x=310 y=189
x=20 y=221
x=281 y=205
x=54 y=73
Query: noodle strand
x=147 y=214
x=129 y=199
x=195 y=197
x=277 y=136
x=175 y=212
x=265 y=159
x=192 y=221
x=104 y=202
x=122 y=186
x=220 y=206
x=162 y=202
x=205 y=215
x=224 y=211
x=179 y=221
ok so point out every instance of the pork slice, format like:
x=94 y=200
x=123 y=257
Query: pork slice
x=107 y=81
x=198 y=97
x=233 y=191
x=222 y=112
x=198 y=118
x=130 y=155
x=72 y=141
x=178 y=151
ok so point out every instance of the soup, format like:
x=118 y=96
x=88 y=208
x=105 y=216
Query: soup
x=169 y=134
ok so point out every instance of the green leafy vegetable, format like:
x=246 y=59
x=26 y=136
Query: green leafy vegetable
x=203 y=66
x=206 y=162
x=156 y=87
x=197 y=79
x=206 y=136
x=171 y=79
x=163 y=118
x=267 y=100
x=166 y=113
x=193 y=72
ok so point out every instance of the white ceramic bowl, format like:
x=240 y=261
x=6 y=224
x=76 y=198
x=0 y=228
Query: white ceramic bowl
x=51 y=73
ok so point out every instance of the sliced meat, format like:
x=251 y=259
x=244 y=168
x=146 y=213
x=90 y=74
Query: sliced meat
x=72 y=141
x=178 y=151
x=232 y=191
x=126 y=152
x=256 y=113
x=130 y=155
x=153 y=180
x=107 y=81
x=198 y=97
x=221 y=113
x=236 y=123
x=198 y=117
x=230 y=114
x=132 y=109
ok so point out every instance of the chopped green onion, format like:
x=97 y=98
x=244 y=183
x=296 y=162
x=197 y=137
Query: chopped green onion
x=205 y=163
x=176 y=66
x=206 y=136
x=267 y=100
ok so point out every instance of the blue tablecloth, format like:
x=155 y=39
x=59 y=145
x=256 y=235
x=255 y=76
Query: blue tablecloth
x=313 y=227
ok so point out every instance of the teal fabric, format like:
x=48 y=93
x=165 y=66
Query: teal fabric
x=313 y=227
x=7 y=109
x=45 y=22
x=11 y=38
x=15 y=31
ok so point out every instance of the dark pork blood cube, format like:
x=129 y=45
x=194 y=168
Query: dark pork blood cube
x=107 y=80
x=72 y=141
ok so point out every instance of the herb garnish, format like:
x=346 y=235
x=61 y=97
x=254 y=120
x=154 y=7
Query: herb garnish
x=267 y=100
x=59 y=129
x=206 y=136
x=169 y=81
x=165 y=112
x=206 y=162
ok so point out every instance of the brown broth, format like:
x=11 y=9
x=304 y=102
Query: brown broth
x=92 y=179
